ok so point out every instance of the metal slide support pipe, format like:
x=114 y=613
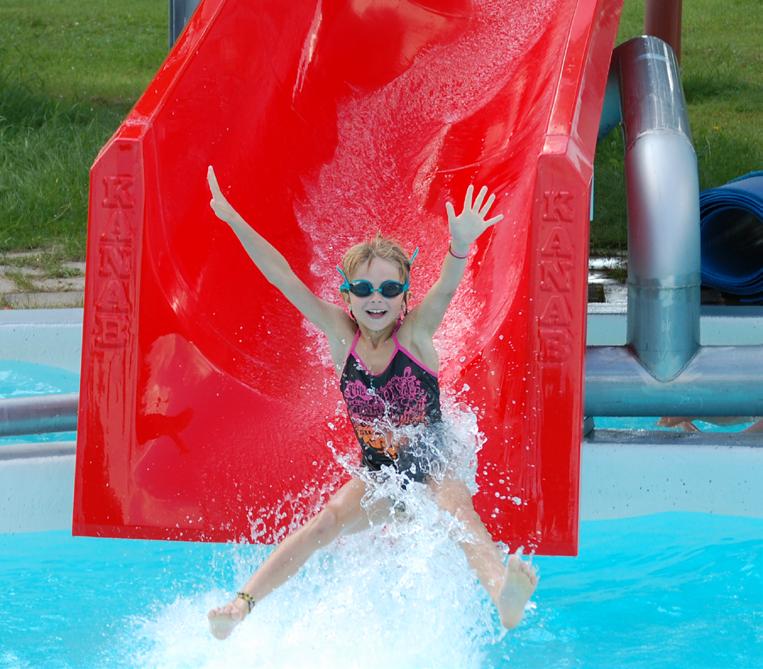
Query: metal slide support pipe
x=663 y=371
x=180 y=12
x=43 y=413
x=719 y=381
x=663 y=209
x=662 y=18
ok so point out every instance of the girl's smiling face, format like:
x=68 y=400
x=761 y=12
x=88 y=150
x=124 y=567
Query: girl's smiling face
x=377 y=312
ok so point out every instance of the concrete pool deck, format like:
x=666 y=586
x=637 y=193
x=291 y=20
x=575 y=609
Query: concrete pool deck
x=29 y=281
x=623 y=473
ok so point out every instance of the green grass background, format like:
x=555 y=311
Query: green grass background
x=71 y=70
x=69 y=73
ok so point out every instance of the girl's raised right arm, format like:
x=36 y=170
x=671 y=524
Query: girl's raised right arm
x=328 y=317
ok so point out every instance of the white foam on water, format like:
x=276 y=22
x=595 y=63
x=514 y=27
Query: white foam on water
x=400 y=593
x=397 y=595
x=376 y=599
x=9 y=660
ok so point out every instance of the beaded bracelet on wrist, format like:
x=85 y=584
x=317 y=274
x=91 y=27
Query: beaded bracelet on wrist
x=450 y=250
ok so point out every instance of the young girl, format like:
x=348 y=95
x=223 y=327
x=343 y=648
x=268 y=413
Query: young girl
x=387 y=366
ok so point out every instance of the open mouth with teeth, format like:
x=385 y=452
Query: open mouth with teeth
x=376 y=313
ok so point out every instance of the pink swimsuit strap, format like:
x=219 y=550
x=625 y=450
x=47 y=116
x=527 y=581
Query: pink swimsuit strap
x=398 y=347
x=354 y=342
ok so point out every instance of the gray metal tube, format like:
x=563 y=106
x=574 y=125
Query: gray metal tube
x=663 y=209
x=180 y=13
x=718 y=381
x=37 y=414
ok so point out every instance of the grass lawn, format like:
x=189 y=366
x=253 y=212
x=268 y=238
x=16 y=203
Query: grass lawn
x=69 y=73
x=71 y=70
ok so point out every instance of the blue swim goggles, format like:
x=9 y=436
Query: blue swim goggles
x=364 y=288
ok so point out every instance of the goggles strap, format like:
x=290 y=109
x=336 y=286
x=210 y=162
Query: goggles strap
x=346 y=285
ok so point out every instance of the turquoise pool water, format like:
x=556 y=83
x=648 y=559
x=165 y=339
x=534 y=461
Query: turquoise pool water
x=650 y=423
x=21 y=379
x=653 y=592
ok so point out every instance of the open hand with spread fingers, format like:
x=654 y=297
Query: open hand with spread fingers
x=467 y=226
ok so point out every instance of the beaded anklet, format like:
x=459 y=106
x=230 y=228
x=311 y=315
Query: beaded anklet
x=250 y=601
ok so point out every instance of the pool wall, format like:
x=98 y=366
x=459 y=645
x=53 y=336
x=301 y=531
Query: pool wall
x=631 y=474
x=43 y=336
x=36 y=487
x=623 y=474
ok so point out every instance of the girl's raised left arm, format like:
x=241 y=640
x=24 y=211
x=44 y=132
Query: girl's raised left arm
x=465 y=228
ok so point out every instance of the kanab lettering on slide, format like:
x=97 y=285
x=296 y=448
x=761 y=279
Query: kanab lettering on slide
x=556 y=254
x=115 y=260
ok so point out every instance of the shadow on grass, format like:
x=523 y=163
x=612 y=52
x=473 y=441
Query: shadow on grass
x=22 y=107
x=705 y=86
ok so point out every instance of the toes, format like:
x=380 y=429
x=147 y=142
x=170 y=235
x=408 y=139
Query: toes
x=531 y=572
x=518 y=566
x=226 y=610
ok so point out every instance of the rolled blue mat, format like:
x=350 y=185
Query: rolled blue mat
x=731 y=221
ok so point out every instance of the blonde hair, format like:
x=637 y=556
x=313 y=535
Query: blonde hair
x=378 y=247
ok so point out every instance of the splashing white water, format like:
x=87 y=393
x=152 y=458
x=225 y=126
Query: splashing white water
x=403 y=598
x=398 y=594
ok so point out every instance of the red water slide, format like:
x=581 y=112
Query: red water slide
x=207 y=403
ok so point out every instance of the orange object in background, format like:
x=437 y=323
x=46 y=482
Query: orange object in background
x=206 y=400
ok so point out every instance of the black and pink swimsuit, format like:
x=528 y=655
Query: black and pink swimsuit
x=383 y=406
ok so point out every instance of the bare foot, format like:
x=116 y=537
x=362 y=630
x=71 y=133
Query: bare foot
x=222 y=620
x=519 y=583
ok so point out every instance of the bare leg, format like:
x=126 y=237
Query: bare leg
x=342 y=514
x=509 y=587
x=686 y=422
